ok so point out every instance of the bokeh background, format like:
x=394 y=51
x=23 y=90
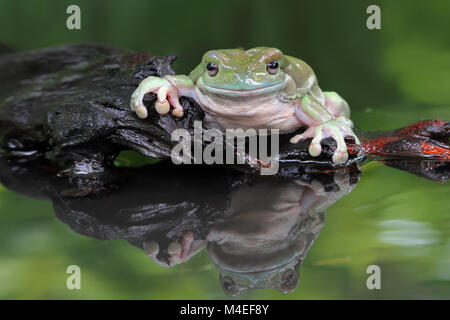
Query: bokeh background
x=390 y=77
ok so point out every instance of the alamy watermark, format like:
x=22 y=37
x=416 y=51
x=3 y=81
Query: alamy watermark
x=374 y=280
x=74 y=280
x=209 y=145
x=374 y=20
x=73 y=21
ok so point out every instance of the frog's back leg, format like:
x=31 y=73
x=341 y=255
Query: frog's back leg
x=307 y=83
x=335 y=104
x=305 y=79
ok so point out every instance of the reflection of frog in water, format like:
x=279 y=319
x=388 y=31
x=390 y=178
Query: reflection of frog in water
x=261 y=242
x=256 y=88
x=265 y=239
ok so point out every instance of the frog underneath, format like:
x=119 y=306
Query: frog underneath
x=256 y=88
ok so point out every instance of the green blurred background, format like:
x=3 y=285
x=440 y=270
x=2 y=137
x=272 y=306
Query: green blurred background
x=390 y=77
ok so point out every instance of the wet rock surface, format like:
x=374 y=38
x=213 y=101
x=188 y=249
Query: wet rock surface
x=58 y=101
x=68 y=108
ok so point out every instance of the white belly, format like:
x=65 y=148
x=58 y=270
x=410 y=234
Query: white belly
x=260 y=112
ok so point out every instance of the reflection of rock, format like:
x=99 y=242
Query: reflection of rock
x=429 y=169
x=160 y=201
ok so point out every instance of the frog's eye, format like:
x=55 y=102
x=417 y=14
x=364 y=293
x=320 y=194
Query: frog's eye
x=289 y=281
x=229 y=286
x=212 y=68
x=272 y=66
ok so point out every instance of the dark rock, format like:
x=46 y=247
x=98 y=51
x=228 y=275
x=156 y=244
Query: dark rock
x=69 y=107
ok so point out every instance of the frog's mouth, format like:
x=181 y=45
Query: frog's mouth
x=259 y=91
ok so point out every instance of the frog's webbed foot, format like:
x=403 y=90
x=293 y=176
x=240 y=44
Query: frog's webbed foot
x=337 y=129
x=166 y=96
x=322 y=192
x=178 y=251
x=342 y=181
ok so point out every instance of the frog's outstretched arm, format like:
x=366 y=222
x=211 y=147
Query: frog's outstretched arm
x=168 y=89
x=325 y=113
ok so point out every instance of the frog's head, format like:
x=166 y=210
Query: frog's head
x=242 y=72
x=284 y=280
x=254 y=265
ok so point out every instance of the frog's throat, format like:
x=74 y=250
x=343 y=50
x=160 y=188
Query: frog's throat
x=242 y=93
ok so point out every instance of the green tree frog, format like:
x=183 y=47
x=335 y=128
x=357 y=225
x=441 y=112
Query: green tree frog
x=256 y=88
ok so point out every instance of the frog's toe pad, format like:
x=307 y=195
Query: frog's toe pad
x=315 y=149
x=340 y=157
x=151 y=248
x=162 y=107
x=141 y=111
x=178 y=112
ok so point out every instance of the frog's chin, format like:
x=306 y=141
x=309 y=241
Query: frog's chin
x=260 y=91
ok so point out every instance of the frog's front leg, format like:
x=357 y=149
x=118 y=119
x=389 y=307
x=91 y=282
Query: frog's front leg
x=330 y=121
x=168 y=89
x=178 y=251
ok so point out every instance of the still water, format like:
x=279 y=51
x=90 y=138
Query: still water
x=308 y=238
